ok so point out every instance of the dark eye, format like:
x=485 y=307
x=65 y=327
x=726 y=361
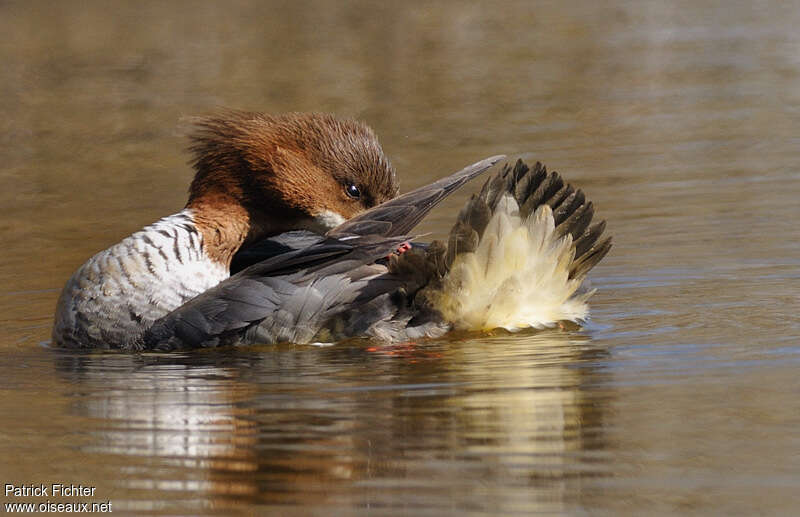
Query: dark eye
x=352 y=191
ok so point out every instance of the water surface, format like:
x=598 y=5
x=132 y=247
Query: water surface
x=681 y=122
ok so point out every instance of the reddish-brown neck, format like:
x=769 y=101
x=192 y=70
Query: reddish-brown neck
x=224 y=224
x=227 y=225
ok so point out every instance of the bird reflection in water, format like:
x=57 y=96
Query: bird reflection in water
x=349 y=425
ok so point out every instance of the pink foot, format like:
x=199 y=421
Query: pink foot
x=400 y=249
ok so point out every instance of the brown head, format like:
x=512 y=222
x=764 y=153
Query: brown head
x=259 y=175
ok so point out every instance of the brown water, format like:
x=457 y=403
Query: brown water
x=681 y=122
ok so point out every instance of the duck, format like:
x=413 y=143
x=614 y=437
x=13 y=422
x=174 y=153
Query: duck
x=294 y=232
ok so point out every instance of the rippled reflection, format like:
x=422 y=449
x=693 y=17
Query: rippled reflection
x=389 y=426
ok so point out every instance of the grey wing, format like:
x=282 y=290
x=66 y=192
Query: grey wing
x=272 y=247
x=286 y=298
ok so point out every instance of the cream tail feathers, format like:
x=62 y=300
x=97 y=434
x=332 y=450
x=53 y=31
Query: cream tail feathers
x=519 y=254
x=517 y=278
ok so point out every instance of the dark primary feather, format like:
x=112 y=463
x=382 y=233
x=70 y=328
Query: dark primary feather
x=404 y=212
x=273 y=246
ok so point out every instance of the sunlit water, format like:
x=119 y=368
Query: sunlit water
x=681 y=123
